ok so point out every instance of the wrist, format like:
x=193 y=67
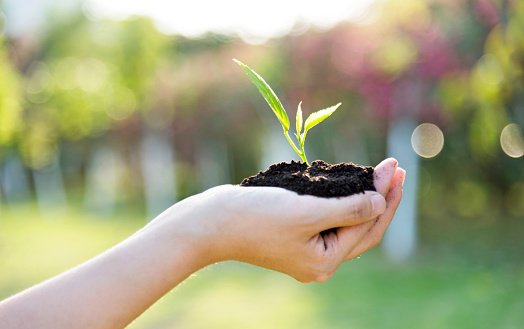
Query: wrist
x=188 y=235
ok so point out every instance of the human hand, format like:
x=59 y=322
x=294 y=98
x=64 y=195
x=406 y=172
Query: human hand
x=303 y=236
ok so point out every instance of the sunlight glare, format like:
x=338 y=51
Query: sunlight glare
x=254 y=24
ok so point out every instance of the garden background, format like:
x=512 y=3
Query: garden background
x=106 y=120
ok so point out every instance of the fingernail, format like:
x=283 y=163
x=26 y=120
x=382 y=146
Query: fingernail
x=403 y=175
x=379 y=204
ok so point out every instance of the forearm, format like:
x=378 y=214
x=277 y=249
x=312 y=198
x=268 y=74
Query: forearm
x=110 y=290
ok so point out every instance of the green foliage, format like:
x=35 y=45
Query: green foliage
x=10 y=100
x=275 y=104
x=83 y=82
x=88 y=78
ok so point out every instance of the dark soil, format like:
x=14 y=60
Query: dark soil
x=318 y=179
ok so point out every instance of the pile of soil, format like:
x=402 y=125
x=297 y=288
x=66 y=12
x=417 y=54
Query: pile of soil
x=318 y=179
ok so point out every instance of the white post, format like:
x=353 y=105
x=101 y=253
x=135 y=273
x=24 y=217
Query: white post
x=13 y=180
x=213 y=164
x=49 y=187
x=158 y=170
x=400 y=239
x=102 y=179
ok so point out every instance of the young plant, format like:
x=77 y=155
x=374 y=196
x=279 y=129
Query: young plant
x=273 y=101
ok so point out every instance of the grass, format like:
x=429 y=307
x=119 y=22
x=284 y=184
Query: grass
x=430 y=291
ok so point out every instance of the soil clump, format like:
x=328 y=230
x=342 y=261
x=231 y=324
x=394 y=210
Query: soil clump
x=319 y=179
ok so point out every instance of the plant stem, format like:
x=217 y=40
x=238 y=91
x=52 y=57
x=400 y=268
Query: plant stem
x=301 y=154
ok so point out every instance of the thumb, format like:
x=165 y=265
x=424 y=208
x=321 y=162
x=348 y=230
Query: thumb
x=349 y=211
x=383 y=175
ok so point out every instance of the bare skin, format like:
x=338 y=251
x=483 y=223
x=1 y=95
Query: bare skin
x=268 y=227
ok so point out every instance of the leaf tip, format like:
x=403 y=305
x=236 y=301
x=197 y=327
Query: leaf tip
x=239 y=62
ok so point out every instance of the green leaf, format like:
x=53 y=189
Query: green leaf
x=319 y=116
x=300 y=121
x=268 y=94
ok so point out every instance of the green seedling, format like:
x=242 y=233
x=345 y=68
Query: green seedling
x=273 y=101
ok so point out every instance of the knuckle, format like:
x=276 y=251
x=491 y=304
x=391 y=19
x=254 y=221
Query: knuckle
x=355 y=210
x=360 y=209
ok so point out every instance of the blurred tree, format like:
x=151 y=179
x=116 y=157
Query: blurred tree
x=488 y=94
x=457 y=64
x=87 y=77
x=13 y=182
x=11 y=101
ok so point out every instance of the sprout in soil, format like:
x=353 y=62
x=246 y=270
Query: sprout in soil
x=273 y=101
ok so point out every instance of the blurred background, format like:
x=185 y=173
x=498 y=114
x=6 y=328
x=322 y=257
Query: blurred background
x=111 y=111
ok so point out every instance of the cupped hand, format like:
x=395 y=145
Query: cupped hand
x=306 y=237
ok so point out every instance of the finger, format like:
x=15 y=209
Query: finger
x=383 y=174
x=382 y=177
x=347 y=211
x=350 y=237
x=374 y=236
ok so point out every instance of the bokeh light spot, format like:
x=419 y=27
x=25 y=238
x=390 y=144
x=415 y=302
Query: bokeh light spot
x=511 y=141
x=427 y=140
